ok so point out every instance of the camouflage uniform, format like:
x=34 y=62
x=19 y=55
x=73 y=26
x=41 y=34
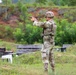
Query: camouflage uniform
x=49 y=29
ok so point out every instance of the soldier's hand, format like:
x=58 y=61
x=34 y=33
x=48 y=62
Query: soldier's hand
x=33 y=19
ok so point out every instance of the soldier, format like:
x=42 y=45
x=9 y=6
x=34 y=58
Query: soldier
x=49 y=29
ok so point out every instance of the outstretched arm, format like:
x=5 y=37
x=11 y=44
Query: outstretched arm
x=37 y=23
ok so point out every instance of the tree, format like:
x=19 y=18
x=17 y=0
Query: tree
x=64 y=2
x=41 y=1
x=61 y=2
x=6 y=3
x=23 y=13
x=66 y=32
x=72 y=2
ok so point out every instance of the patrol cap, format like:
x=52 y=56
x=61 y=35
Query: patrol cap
x=49 y=14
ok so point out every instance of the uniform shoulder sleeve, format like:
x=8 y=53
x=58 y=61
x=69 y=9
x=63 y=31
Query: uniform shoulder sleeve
x=40 y=24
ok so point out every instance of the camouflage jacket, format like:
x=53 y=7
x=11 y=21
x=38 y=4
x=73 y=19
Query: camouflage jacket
x=49 y=27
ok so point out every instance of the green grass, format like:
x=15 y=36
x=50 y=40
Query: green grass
x=8 y=45
x=21 y=69
x=66 y=69
x=31 y=64
x=36 y=69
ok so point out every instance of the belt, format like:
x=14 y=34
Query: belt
x=51 y=34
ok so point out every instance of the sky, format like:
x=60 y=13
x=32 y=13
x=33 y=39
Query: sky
x=0 y=1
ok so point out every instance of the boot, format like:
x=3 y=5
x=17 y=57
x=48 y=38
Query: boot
x=46 y=67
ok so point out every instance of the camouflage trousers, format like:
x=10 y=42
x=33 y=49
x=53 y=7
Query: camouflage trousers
x=47 y=55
